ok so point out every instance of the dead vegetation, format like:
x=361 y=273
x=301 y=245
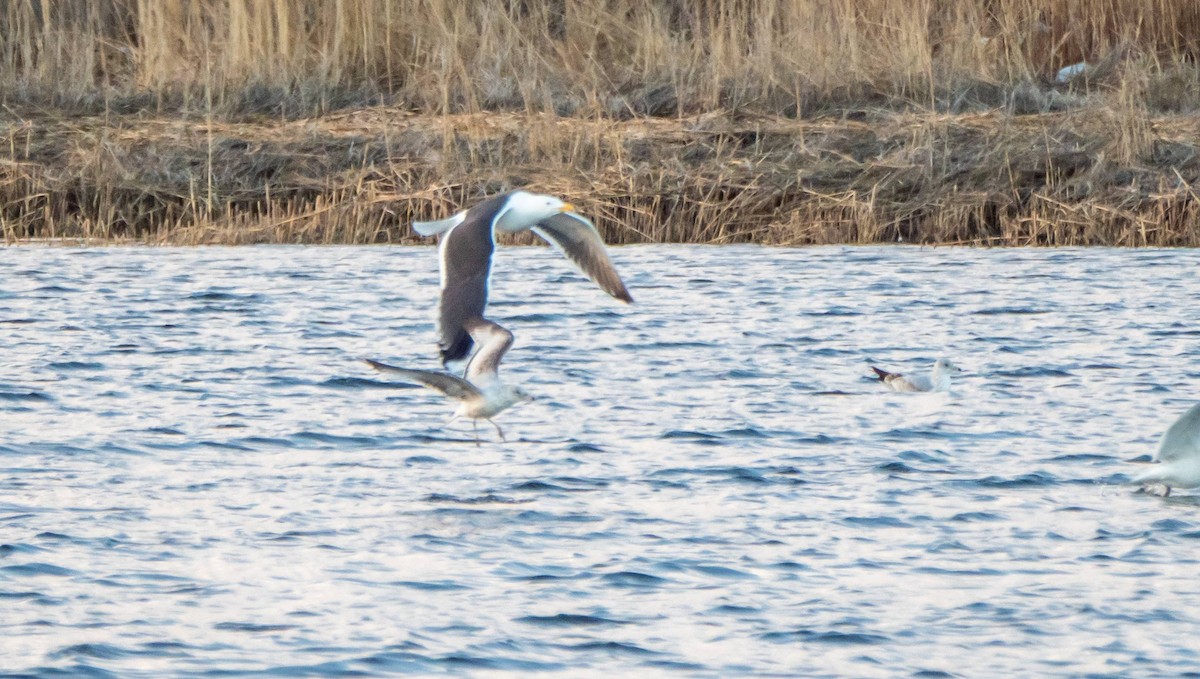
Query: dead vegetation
x=774 y=121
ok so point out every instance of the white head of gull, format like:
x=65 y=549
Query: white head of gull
x=938 y=378
x=1177 y=460
x=481 y=396
x=469 y=239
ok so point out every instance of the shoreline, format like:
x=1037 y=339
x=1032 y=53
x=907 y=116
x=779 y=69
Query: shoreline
x=84 y=244
x=1088 y=176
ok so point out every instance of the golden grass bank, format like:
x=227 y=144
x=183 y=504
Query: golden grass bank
x=777 y=121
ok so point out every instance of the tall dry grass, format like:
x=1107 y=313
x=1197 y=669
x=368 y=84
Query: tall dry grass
x=611 y=57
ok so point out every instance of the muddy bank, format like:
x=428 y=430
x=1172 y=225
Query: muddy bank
x=1083 y=177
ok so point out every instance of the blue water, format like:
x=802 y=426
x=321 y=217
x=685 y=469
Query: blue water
x=198 y=476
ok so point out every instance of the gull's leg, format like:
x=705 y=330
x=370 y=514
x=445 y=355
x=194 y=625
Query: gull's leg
x=499 y=431
x=475 y=428
x=1168 y=491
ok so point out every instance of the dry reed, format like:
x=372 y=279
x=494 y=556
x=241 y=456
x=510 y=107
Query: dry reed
x=780 y=121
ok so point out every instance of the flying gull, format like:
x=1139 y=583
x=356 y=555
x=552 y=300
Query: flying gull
x=1177 y=460
x=937 y=380
x=469 y=238
x=481 y=395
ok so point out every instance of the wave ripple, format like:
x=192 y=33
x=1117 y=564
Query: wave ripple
x=199 y=477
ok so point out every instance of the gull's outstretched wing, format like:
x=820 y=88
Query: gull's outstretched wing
x=576 y=237
x=494 y=341
x=439 y=226
x=449 y=385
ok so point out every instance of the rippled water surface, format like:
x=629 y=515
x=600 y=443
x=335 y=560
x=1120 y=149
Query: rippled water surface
x=198 y=475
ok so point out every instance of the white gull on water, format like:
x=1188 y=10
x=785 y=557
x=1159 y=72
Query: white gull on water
x=938 y=378
x=469 y=239
x=481 y=395
x=1177 y=460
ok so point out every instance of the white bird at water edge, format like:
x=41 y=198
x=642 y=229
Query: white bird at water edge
x=481 y=395
x=469 y=239
x=938 y=378
x=1176 y=463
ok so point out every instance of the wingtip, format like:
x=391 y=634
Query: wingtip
x=427 y=229
x=433 y=228
x=457 y=351
x=880 y=374
x=618 y=291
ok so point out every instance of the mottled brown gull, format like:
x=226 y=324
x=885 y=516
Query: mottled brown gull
x=481 y=395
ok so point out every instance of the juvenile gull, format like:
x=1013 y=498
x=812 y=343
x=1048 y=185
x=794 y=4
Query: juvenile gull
x=469 y=238
x=938 y=378
x=481 y=395
x=1177 y=460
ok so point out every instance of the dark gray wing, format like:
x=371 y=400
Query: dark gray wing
x=466 y=254
x=576 y=237
x=494 y=341
x=449 y=385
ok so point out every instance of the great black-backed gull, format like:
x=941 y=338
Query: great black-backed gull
x=469 y=238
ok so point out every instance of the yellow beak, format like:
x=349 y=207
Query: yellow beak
x=567 y=207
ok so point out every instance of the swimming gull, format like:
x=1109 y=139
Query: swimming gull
x=937 y=380
x=481 y=395
x=469 y=238
x=1177 y=460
